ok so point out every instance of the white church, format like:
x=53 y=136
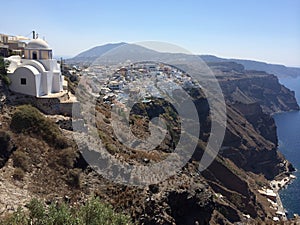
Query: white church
x=36 y=74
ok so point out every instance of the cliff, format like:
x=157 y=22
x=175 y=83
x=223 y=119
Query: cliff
x=251 y=138
x=243 y=86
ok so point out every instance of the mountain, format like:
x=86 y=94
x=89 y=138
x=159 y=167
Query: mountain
x=278 y=70
x=89 y=56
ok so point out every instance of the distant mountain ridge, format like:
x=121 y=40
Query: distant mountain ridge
x=92 y=54
x=280 y=71
x=276 y=69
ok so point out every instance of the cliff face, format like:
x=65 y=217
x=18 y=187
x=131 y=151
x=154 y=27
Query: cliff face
x=251 y=143
x=242 y=86
x=251 y=138
x=263 y=123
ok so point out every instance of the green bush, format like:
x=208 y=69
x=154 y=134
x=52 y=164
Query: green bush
x=17 y=218
x=5 y=79
x=3 y=71
x=94 y=212
x=60 y=215
x=37 y=213
x=27 y=119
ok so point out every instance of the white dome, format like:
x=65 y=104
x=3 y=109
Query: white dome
x=38 y=44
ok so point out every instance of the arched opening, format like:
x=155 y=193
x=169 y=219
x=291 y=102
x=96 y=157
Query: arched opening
x=34 y=55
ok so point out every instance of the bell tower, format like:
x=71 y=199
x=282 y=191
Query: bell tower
x=37 y=49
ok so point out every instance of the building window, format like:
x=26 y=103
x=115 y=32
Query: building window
x=34 y=55
x=23 y=81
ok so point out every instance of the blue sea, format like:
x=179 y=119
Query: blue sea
x=288 y=129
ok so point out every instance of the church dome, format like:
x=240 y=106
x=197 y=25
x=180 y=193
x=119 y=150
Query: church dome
x=38 y=44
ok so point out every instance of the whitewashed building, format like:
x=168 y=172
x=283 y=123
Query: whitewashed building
x=36 y=74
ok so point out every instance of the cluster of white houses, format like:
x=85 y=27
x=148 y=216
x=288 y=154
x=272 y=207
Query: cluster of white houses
x=141 y=80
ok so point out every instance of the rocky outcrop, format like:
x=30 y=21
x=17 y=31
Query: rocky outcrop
x=263 y=123
x=249 y=144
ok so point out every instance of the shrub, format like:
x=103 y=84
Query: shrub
x=74 y=178
x=21 y=160
x=5 y=151
x=5 y=79
x=3 y=66
x=3 y=71
x=28 y=119
x=94 y=212
x=111 y=148
x=60 y=215
x=4 y=140
x=37 y=211
x=67 y=157
x=18 y=218
x=18 y=174
x=236 y=199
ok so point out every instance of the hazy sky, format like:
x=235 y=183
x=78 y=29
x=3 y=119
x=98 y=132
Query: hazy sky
x=267 y=30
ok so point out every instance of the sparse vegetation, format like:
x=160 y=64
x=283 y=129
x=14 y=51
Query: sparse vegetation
x=21 y=160
x=74 y=178
x=28 y=119
x=4 y=143
x=18 y=174
x=67 y=157
x=4 y=139
x=111 y=148
x=236 y=199
x=94 y=212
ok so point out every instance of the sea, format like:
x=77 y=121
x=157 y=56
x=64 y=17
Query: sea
x=288 y=130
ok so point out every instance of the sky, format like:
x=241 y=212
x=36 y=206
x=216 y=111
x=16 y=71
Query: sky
x=264 y=30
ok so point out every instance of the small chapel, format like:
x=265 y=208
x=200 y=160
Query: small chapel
x=36 y=73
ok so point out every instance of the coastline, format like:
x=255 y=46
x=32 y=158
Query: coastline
x=282 y=192
x=277 y=185
x=281 y=112
x=273 y=196
x=284 y=179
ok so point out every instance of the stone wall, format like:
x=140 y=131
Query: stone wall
x=50 y=106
